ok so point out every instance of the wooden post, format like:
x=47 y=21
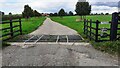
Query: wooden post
x=11 y=28
x=114 y=26
x=20 y=26
x=84 y=25
x=90 y=27
x=87 y=28
x=97 y=26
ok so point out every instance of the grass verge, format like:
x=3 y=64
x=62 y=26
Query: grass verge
x=108 y=47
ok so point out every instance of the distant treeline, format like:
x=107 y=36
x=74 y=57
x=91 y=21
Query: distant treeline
x=29 y=12
x=99 y=14
x=17 y=16
x=8 y=17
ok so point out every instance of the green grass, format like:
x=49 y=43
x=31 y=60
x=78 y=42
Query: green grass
x=104 y=18
x=32 y=24
x=108 y=47
x=27 y=25
x=70 y=21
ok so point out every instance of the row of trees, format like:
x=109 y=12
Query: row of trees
x=27 y=13
x=8 y=17
x=62 y=13
x=82 y=9
x=99 y=14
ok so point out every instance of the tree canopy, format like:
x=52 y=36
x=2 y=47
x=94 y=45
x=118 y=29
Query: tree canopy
x=71 y=13
x=62 y=13
x=10 y=13
x=83 y=8
x=36 y=13
x=29 y=12
x=2 y=13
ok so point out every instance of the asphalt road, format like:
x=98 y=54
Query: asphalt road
x=56 y=55
x=50 y=27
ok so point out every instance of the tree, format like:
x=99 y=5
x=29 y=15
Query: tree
x=10 y=13
x=102 y=13
x=55 y=14
x=3 y=13
x=107 y=14
x=71 y=13
x=51 y=14
x=28 y=12
x=83 y=8
x=66 y=14
x=36 y=13
x=96 y=14
x=61 y=13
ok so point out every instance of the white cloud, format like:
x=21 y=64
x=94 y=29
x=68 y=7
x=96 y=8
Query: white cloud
x=104 y=9
x=17 y=6
x=103 y=0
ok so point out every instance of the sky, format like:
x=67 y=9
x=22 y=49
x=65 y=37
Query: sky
x=52 y=6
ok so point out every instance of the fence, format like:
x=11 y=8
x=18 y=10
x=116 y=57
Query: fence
x=11 y=29
x=115 y=27
x=109 y=31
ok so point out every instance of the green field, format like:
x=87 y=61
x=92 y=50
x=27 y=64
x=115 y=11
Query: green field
x=71 y=22
x=27 y=25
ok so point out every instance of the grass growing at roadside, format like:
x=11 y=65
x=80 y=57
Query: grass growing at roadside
x=32 y=24
x=109 y=47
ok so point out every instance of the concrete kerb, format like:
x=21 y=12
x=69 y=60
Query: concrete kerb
x=50 y=43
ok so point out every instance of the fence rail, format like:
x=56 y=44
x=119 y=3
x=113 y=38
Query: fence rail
x=11 y=33
x=93 y=31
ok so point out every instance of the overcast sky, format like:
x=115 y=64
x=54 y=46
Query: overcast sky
x=47 y=6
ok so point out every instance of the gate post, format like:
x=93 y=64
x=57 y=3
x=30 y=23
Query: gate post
x=84 y=25
x=114 y=26
x=90 y=28
x=97 y=27
x=11 y=28
x=87 y=28
x=20 y=26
